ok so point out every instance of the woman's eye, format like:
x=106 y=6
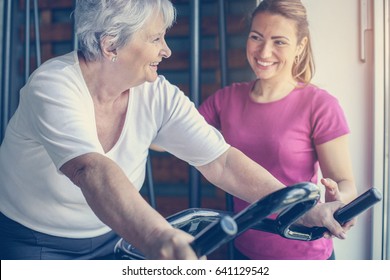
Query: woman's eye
x=280 y=43
x=255 y=37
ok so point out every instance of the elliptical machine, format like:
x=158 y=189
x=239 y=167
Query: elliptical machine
x=213 y=228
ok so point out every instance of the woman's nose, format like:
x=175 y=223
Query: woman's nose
x=265 y=50
x=166 y=51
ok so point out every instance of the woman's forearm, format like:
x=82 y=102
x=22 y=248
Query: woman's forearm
x=240 y=176
x=115 y=200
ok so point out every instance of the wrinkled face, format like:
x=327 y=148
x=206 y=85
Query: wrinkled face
x=139 y=59
x=272 y=46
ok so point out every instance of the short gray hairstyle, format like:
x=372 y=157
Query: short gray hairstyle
x=119 y=19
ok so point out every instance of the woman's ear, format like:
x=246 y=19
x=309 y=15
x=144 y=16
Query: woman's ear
x=301 y=46
x=108 y=51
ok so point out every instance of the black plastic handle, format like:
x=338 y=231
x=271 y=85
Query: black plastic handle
x=214 y=235
x=290 y=202
x=343 y=215
x=358 y=205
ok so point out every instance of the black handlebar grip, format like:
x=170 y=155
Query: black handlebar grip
x=214 y=235
x=351 y=210
x=357 y=206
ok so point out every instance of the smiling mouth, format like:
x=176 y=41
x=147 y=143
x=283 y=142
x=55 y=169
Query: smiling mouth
x=264 y=63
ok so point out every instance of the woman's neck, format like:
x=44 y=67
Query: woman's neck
x=267 y=91
x=97 y=78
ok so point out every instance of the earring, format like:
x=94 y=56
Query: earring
x=114 y=58
x=297 y=59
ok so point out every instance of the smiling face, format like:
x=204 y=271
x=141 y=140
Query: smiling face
x=139 y=59
x=272 y=46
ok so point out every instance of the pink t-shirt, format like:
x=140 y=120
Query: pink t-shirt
x=280 y=136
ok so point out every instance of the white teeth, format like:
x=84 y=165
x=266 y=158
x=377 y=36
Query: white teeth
x=263 y=63
x=154 y=64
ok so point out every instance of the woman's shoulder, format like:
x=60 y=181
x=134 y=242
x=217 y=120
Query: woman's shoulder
x=57 y=77
x=314 y=92
x=60 y=67
x=60 y=62
x=161 y=85
x=315 y=98
x=160 y=91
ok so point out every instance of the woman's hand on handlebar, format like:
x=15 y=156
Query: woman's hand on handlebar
x=172 y=244
x=322 y=216
x=332 y=193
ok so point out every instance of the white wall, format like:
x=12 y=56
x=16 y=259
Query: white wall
x=334 y=26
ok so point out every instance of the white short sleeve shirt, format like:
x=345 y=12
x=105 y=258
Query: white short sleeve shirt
x=55 y=122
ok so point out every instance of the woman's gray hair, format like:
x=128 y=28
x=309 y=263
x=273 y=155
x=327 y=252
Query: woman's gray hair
x=119 y=19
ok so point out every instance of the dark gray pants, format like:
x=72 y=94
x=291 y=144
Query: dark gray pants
x=18 y=242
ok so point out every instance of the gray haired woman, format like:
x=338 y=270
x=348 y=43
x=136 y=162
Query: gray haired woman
x=74 y=154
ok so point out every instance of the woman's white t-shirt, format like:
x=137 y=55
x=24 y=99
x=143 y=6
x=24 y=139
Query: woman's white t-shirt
x=55 y=122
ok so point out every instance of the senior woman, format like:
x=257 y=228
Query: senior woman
x=73 y=158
